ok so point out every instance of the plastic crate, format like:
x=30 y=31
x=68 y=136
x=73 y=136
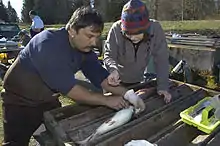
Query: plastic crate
x=201 y=116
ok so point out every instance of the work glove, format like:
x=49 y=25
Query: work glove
x=135 y=100
x=114 y=78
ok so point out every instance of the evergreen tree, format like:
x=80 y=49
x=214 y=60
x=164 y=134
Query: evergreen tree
x=27 y=6
x=3 y=12
x=12 y=14
x=53 y=11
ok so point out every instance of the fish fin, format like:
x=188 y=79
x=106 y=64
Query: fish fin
x=87 y=140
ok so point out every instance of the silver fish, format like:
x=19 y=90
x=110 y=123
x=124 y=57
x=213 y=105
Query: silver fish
x=67 y=144
x=119 y=119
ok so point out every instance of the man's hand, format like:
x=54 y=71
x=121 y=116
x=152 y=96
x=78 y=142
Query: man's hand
x=114 y=78
x=82 y=95
x=167 y=95
x=116 y=102
x=134 y=99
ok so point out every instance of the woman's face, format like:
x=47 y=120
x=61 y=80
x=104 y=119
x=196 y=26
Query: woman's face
x=135 y=38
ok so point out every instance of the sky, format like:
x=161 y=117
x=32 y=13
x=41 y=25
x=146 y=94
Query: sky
x=16 y=4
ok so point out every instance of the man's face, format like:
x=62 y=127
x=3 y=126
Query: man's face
x=135 y=38
x=85 y=39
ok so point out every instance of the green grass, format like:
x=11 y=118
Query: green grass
x=191 y=25
x=203 y=26
x=183 y=26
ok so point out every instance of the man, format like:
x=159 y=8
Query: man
x=24 y=37
x=130 y=44
x=46 y=67
x=37 y=24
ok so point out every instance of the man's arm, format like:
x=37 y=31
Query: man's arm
x=59 y=77
x=82 y=95
x=116 y=90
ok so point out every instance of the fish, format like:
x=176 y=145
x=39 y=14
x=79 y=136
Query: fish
x=140 y=143
x=139 y=92
x=67 y=144
x=120 y=118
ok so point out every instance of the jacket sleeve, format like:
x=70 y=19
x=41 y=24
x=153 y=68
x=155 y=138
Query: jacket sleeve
x=161 y=57
x=110 y=50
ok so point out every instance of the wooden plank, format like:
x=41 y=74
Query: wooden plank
x=196 y=87
x=211 y=138
x=191 y=47
x=193 y=44
x=215 y=141
x=165 y=131
x=181 y=136
x=211 y=43
x=192 y=38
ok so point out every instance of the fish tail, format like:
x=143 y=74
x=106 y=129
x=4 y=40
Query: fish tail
x=85 y=142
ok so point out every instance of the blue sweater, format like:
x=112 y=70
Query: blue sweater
x=50 y=55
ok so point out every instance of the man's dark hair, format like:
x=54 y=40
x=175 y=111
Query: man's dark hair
x=84 y=17
x=32 y=12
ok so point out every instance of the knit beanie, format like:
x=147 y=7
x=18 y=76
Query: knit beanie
x=135 y=18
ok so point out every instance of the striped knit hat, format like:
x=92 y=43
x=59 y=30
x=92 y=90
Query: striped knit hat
x=135 y=18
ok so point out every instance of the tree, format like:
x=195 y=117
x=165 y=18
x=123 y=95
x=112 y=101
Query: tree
x=198 y=9
x=169 y=10
x=150 y=4
x=54 y=11
x=110 y=9
x=182 y=9
x=156 y=4
x=51 y=11
x=27 y=6
x=12 y=14
x=207 y=8
x=45 y=9
x=3 y=12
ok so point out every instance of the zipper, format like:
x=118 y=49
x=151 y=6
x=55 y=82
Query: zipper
x=136 y=46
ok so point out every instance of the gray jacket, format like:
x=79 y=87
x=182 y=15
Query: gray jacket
x=119 y=54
